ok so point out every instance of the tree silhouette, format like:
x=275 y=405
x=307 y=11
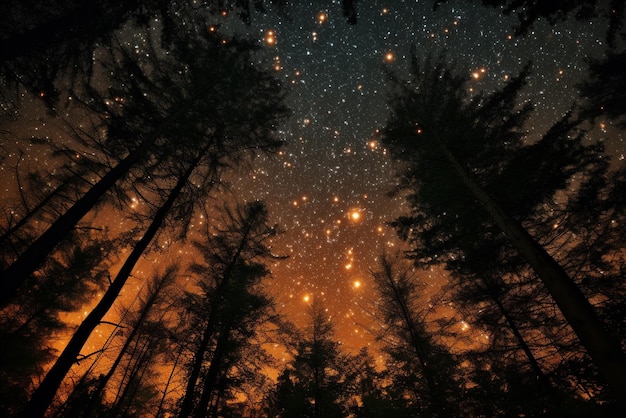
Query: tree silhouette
x=424 y=365
x=372 y=396
x=228 y=307
x=530 y=11
x=463 y=156
x=39 y=196
x=42 y=42
x=78 y=270
x=220 y=130
x=603 y=91
x=173 y=106
x=143 y=324
x=48 y=46
x=314 y=383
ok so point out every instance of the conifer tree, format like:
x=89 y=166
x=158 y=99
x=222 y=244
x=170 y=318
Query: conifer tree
x=468 y=174
x=219 y=132
x=170 y=106
x=229 y=305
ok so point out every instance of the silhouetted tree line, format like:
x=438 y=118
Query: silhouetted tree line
x=529 y=233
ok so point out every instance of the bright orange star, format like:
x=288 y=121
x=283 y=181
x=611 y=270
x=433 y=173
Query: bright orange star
x=355 y=216
x=270 y=38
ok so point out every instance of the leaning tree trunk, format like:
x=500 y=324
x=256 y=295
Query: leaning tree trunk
x=159 y=412
x=605 y=352
x=133 y=375
x=145 y=311
x=30 y=260
x=198 y=359
x=534 y=364
x=437 y=406
x=187 y=403
x=44 y=394
x=34 y=210
x=210 y=381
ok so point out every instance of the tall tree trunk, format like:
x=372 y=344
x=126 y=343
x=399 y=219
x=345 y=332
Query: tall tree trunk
x=154 y=294
x=579 y=313
x=198 y=358
x=44 y=394
x=31 y=212
x=187 y=404
x=417 y=346
x=159 y=412
x=541 y=376
x=133 y=375
x=214 y=369
x=30 y=260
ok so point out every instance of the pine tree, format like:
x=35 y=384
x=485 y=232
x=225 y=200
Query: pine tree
x=314 y=383
x=229 y=306
x=209 y=147
x=171 y=107
x=421 y=366
x=463 y=162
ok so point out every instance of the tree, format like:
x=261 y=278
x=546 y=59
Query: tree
x=43 y=396
x=209 y=148
x=314 y=383
x=421 y=367
x=143 y=326
x=371 y=391
x=48 y=46
x=39 y=195
x=463 y=156
x=229 y=305
x=603 y=92
x=77 y=272
x=171 y=106
x=531 y=11
x=42 y=42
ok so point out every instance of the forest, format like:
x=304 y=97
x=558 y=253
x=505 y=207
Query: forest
x=135 y=166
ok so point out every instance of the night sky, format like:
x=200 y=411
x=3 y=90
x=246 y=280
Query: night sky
x=328 y=187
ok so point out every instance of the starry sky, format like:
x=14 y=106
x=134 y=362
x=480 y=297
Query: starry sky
x=328 y=187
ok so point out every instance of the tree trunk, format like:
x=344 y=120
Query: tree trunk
x=603 y=349
x=187 y=404
x=43 y=396
x=541 y=377
x=416 y=344
x=31 y=212
x=211 y=378
x=160 y=410
x=30 y=260
x=133 y=375
x=96 y=394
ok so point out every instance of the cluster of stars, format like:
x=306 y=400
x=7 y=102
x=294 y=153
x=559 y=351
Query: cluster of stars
x=322 y=17
x=479 y=73
x=270 y=37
